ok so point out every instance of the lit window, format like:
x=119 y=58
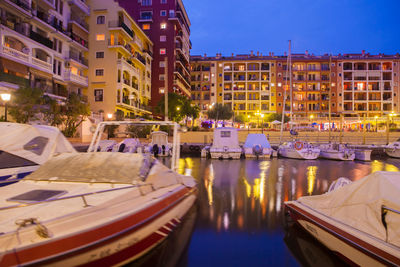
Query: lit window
x=100 y=37
x=163 y=13
x=146 y=26
x=163 y=51
x=146 y=2
x=161 y=90
x=163 y=38
x=98 y=95
x=99 y=54
x=100 y=72
x=101 y=20
x=163 y=26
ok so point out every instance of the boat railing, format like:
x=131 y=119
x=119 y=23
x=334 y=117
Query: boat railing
x=390 y=209
x=82 y=196
x=384 y=211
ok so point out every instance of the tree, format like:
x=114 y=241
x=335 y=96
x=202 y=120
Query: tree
x=240 y=118
x=189 y=110
x=52 y=111
x=75 y=112
x=175 y=106
x=220 y=112
x=276 y=117
x=26 y=104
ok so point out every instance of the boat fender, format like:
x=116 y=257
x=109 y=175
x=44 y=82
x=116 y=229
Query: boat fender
x=257 y=149
x=155 y=150
x=298 y=145
x=163 y=149
x=121 y=147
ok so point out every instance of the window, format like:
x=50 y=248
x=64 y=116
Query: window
x=101 y=19
x=146 y=2
x=161 y=90
x=146 y=26
x=163 y=26
x=163 y=1
x=163 y=38
x=100 y=37
x=99 y=54
x=162 y=77
x=98 y=95
x=163 y=13
x=225 y=134
x=171 y=13
x=99 y=72
x=163 y=51
x=146 y=15
x=162 y=64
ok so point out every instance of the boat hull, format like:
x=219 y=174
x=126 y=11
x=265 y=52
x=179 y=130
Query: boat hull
x=113 y=244
x=364 y=155
x=360 y=251
x=266 y=153
x=225 y=155
x=298 y=154
x=393 y=152
x=337 y=155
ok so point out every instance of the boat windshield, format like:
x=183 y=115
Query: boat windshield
x=8 y=160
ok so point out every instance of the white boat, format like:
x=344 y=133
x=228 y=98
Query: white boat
x=298 y=150
x=128 y=145
x=393 y=149
x=363 y=154
x=257 y=146
x=99 y=209
x=225 y=144
x=359 y=221
x=24 y=147
x=336 y=151
x=106 y=145
x=159 y=145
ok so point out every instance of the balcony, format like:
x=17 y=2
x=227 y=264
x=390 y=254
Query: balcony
x=127 y=64
x=120 y=24
x=23 y=5
x=81 y=5
x=41 y=39
x=79 y=21
x=117 y=43
x=75 y=78
x=140 y=58
x=10 y=78
x=77 y=39
x=77 y=58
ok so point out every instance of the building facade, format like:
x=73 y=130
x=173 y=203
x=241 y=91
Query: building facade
x=120 y=59
x=355 y=85
x=168 y=26
x=44 y=44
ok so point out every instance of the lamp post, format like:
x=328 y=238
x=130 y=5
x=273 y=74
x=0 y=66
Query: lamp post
x=248 y=124
x=258 y=118
x=262 y=123
x=5 y=97
x=376 y=123
x=109 y=117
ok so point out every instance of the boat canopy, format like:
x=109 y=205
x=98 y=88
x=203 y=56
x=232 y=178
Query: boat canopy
x=36 y=143
x=159 y=138
x=361 y=205
x=99 y=167
x=256 y=139
x=225 y=137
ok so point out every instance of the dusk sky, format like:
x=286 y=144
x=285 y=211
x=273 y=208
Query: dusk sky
x=319 y=26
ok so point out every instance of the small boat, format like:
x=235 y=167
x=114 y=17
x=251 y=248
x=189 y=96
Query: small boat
x=257 y=146
x=159 y=145
x=336 y=151
x=23 y=148
x=358 y=221
x=363 y=154
x=298 y=150
x=393 y=149
x=225 y=144
x=95 y=208
x=128 y=145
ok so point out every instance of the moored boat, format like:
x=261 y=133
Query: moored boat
x=159 y=145
x=336 y=151
x=298 y=150
x=393 y=149
x=23 y=148
x=257 y=146
x=363 y=154
x=225 y=144
x=359 y=221
x=103 y=208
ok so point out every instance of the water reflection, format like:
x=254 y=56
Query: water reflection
x=241 y=203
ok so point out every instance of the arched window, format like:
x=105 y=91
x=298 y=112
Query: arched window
x=101 y=19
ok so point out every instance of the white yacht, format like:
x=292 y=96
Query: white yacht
x=257 y=146
x=225 y=144
x=336 y=151
x=393 y=149
x=298 y=150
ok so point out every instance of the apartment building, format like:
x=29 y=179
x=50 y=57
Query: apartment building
x=44 y=44
x=368 y=84
x=358 y=85
x=168 y=26
x=120 y=59
x=246 y=83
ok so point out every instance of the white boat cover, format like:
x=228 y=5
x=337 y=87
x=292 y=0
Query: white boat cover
x=359 y=205
x=99 y=167
x=160 y=138
x=225 y=137
x=256 y=139
x=36 y=143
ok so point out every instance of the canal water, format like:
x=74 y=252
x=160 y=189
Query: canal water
x=240 y=217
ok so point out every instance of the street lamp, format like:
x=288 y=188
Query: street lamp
x=311 y=118
x=5 y=97
x=376 y=123
x=109 y=116
x=178 y=108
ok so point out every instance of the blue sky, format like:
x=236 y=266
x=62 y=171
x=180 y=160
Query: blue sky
x=319 y=26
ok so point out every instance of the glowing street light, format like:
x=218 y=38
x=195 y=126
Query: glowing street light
x=109 y=116
x=178 y=108
x=5 y=97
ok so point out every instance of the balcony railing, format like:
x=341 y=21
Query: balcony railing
x=41 y=39
x=69 y=76
x=22 y=3
x=77 y=58
x=81 y=5
x=79 y=40
x=79 y=20
x=121 y=24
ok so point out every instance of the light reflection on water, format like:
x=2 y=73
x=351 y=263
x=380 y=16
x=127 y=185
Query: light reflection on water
x=241 y=217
